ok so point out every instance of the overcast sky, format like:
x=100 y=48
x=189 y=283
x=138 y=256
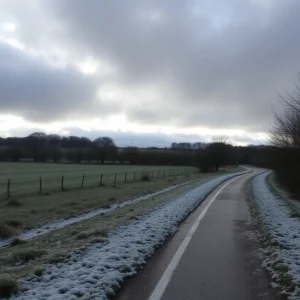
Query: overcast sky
x=146 y=72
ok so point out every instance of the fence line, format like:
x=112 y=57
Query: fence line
x=71 y=182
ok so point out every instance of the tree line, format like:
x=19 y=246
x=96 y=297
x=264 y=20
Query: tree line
x=40 y=147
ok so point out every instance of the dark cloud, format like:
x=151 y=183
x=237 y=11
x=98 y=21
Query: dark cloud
x=35 y=90
x=226 y=59
x=212 y=64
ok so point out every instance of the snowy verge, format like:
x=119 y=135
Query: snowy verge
x=98 y=271
x=58 y=224
x=280 y=234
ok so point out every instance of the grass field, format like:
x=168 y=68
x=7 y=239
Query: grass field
x=30 y=258
x=30 y=178
x=37 y=209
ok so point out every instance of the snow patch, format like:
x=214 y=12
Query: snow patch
x=281 y=237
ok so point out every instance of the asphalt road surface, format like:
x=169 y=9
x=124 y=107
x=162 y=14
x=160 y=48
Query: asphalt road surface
x=214 y=255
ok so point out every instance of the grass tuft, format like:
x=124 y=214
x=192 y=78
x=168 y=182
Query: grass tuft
x=13 y=203
x=38 y=271
x=58 y=257
x=146 y=177
x=6 y=231
x=16 y=241
x=8 y=286
x=89 y=233
x=25 y=255
x=13 y=223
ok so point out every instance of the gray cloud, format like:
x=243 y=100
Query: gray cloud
x=35 y=90
x=213 y=65
x=232 y=70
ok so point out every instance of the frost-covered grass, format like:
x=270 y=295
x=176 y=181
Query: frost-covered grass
x=57 y=224
x=99 y=270
x=280 y=234
x=40 y=209
x=37 y=210
x=294 y=204
x=110 y=205
x=60 y=243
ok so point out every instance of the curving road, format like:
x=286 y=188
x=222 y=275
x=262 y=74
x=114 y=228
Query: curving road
x=213 y=256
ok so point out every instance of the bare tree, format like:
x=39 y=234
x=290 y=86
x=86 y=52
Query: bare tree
x=198 y=146
x=220 y=139
x=37 y=142
x=285 y=132
x=104 y=144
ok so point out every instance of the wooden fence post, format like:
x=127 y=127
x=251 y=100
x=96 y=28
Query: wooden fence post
x=115 y=180
x=101 y=177
x=158 y=173
x=134 y=176
x=62 y=182
x=8 y=188
x=40 y=185
x=82 y=180
x=125 y=179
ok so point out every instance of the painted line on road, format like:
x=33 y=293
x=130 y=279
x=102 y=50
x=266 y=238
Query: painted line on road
x=166 y=277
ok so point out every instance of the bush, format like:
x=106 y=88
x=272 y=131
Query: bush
x=8 y=286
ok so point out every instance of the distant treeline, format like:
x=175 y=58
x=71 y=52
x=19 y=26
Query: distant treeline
x=39 y=147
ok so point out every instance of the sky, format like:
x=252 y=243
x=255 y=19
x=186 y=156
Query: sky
x=146 y=73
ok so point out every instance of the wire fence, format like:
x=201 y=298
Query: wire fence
x=45 y=185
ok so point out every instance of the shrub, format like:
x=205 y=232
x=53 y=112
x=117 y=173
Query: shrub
x=8 y=286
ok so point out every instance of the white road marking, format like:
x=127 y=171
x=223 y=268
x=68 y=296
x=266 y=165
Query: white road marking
x=166 y=277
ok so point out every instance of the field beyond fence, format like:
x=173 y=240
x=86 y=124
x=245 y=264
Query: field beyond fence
x=22 y=179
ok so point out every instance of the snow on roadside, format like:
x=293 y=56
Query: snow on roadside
x=281 y=236
x=99 y=270
x=58 y=224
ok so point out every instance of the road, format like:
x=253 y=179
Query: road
x=213 y=256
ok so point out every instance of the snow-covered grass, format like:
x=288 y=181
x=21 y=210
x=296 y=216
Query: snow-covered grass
x=280 y=234
x=61 y=243
x=275 y=187
x=95 y=273
x=57 y=224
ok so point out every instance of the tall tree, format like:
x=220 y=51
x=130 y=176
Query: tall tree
x=37 y=142
x=104 y=145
